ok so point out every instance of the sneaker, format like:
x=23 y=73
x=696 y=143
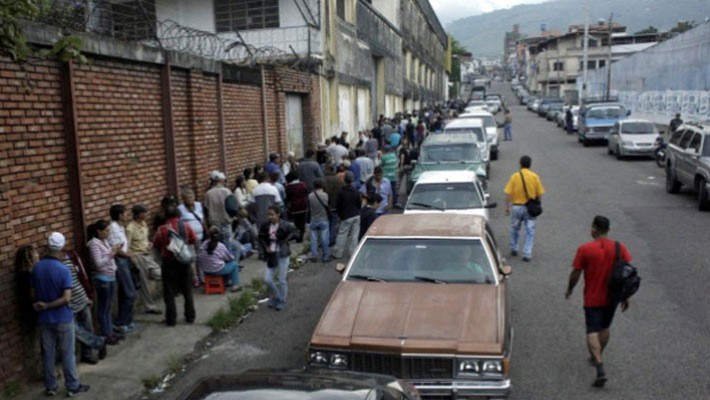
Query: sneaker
x=271 y=303
x=526 y=259
x=121 y=329
x=327 y=259
x=281 y=305
x=50 y=392
x=514 y=253
x=112 y=340
x=103 y=351
x=89 y=360
x=155 y=311
x=78 y=391
x=600 y=381
x=235 y=289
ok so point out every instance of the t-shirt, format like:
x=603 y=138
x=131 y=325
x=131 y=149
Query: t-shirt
x=597 y=259
x=318 y=210
x=137 y=235
x=50 y=278
x=117 y=235
x=214 y=203
x=79 y=299
x=389 y=166
x=515 y=188
x=384 y=189
x=211 y=263
x=394 y=138
x=189 y=218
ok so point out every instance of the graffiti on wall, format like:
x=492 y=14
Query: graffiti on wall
x=693 y=105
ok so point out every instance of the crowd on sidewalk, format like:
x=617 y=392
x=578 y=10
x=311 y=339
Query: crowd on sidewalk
x=334 y=193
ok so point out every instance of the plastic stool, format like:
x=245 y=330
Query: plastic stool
x=214 y=284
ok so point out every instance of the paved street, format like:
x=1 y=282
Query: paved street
x=659 y=348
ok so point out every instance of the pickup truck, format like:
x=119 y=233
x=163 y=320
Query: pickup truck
x=597 y=119
x=688 y=162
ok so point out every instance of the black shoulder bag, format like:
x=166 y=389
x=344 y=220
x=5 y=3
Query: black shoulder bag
x=327 y=209
x=534 y=206
x=624 y=280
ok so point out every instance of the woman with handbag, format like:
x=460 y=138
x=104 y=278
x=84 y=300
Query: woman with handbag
x=274 y=236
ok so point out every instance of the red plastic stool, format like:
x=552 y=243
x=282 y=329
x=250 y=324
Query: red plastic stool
x=214 y=284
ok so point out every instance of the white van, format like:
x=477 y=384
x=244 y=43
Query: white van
x=475 y=126
x=491 y=126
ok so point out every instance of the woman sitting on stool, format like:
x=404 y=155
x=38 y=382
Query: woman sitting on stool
x=214 y=259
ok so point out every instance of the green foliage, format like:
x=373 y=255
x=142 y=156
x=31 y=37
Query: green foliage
x=236 y=308
x=683 y=26
x=151 y=382
x=13 y=43
x=650 y=29
x=11 y=390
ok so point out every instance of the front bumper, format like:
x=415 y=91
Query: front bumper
x=463 y=389
x=596 y=134
x=638 y=151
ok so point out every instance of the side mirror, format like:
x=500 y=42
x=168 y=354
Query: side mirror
x=340 y=267
x=506 y=270
x=491 y=205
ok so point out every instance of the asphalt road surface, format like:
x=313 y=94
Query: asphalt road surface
x=659 y=349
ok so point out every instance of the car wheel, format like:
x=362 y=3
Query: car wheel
x=494 y=155
x=609 y=151
x=585 y=142
x=618 y=153
x=672 y=184
x=703 y=196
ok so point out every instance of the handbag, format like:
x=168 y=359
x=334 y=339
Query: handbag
x=180 y=250
x=534 y=206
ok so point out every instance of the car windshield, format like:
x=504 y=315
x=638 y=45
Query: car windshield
x=444 y=196
x=438 y=260
x=606 y=112
x=450 y=152
x=476 y=130
x=638 y=128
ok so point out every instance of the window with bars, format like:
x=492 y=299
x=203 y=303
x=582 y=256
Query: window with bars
x=240 y=15
x=558 y=66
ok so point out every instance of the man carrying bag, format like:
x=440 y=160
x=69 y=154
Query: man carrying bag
x=524 y=191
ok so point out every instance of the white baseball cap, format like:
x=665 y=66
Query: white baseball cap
x=56 y=241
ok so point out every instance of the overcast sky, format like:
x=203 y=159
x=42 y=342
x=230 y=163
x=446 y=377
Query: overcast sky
x=449 y=10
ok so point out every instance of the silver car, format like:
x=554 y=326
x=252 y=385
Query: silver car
x=632 y=137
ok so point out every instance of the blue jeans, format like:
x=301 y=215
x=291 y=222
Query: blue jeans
x=53 y=337
x=507 y=135
x=230 y=271
x=84 y=331
x=348 y=228
x=279 y=289
x=518 y=217
x=333 y=228
x=319 y=230
x=126 y=292
x=104 y=297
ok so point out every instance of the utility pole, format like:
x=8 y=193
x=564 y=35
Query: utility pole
x=584 y=57
x=608 y=61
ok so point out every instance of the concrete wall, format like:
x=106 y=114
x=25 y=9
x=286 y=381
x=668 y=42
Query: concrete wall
x=194 y=14
x=389 y=9
x=671 y=77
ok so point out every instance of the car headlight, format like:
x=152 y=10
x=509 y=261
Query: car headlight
x=329 y=360
x=481 y=368
x=493 y=367
x=469 y=367
x=627 y=143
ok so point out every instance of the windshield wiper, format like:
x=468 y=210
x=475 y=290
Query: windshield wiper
x=425 y=205
x=428 y=279
x=367 y=278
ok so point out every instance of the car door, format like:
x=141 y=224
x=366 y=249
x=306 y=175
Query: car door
x=684 y=161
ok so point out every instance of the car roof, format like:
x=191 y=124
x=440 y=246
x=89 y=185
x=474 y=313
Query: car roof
x=602 y=105
x=628 y=120
x=464 y=123
x=428 y=224
x=446 y=176
x=475 y=113
x=443 y=138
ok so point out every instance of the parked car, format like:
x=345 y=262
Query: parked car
x=562 y=117
x=553 y=110
x=476 y=105
x=314 y=383
x=443 y=152
x=688 y=162
x=475 y=126
x=545 y=104
x=449 y=192
x=534 y=105
x=424 y=298
x=491 y=126
x=597 y=119
x=633 y=137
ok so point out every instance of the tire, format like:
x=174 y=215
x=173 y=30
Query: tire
x=672 y=184
x=494 y=155
x=703 y=196
x=609 y=151
x=585 y=142
x=618 y=153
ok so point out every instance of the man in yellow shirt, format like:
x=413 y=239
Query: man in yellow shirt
x=141 y=248
x=515 y=195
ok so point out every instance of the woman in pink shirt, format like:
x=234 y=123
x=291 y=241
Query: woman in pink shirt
x=214 y=259
x=102 y=258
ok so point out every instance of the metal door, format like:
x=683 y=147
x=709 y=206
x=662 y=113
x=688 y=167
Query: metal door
x=294 y=124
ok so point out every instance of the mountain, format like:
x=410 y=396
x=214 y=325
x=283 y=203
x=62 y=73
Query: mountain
x=483 y=34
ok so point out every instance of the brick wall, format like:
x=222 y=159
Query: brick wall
x=121 y=150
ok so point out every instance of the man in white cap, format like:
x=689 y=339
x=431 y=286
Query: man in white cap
x=51 y=287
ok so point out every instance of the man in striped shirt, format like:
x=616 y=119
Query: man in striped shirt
x=80 y=304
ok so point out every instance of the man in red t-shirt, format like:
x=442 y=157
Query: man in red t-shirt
x=596 y=260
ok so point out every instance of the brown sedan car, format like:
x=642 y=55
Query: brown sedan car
x=424 y=299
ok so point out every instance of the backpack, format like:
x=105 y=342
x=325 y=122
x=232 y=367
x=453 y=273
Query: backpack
x=624 y=280
x=231 y=205
x=178 y=247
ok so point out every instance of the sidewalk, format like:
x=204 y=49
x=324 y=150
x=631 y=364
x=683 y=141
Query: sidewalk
x=154 y=349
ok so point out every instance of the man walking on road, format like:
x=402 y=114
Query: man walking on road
x=596 y=259
x=507 y=122
x=515 y=190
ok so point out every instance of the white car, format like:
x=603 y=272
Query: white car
x=491 y=126
x=633 y=137
x=476 y=127
x=449 y=192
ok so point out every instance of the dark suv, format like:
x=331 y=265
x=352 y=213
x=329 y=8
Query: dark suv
x=688 y=162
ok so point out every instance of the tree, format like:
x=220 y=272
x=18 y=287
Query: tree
x=457 y=51
x=650 y=29
x=682 y=27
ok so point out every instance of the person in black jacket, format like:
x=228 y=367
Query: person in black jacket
x=368 y=214
x=273 y=237
x=347 y=206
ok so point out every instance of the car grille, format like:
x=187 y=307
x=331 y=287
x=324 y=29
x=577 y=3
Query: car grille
x=403 y=367
x=644 y=144
x=601 y=129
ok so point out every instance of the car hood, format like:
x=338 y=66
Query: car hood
x=475 y=166
x=414 y=318
x=593 y=122
x=483 y=212
x=639 y=138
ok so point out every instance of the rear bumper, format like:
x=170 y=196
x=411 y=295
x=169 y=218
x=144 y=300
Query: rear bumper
x=463 y=389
